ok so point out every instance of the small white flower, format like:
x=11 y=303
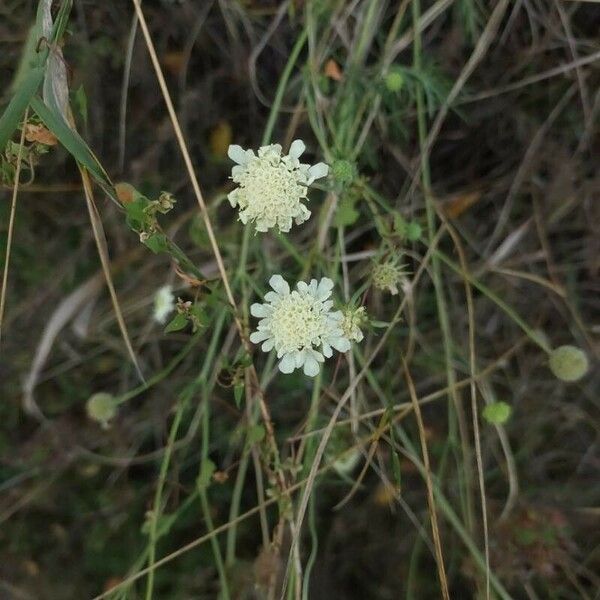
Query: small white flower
x=164 y=303
x=272 y=186
x=299 y=324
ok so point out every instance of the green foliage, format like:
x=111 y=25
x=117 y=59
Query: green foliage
x=145 y=489
x=207 y=470
x=346 y=214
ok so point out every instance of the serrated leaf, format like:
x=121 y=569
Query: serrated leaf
x=177 y=323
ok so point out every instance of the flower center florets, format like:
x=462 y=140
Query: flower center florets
x=269 y=188
x=297 y=322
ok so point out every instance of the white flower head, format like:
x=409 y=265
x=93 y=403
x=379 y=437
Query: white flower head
x=164 y=303
x=272 y=185
x=299 y=324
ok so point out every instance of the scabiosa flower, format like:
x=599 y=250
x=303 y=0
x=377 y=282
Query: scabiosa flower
x=272 y=186
x=387 y=275
x=299 y=324
x=164 y=303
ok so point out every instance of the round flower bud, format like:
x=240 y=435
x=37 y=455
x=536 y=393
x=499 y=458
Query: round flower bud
x=394 y=81
x=344 y=171
x=497 y=413
x=413 y=231
x=568 y=363
x=102 y=408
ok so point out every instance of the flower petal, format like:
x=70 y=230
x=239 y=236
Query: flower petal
x=232 y=197
x=300 y=357
x=287 y=364
x=311 y=366
x=260 y=310
x=324 y=289
x=236 y=171
x=280 y=285
x=256 y=337
x=341 y=344
x=317 y=171
x=297 y=148
x=268 y=345
x=237 y=154
x=272 y=297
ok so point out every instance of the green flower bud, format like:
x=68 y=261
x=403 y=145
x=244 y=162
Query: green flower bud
x=497 y=413
x=413 y=231
x=102 y=408
x=394 y=81
x=569 y=363
x=344 y=171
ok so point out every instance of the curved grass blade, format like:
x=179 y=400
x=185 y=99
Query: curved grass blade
x=32 y=69
x=74 y=144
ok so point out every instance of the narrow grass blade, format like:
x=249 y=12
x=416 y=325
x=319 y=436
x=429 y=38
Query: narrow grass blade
x=73 y=142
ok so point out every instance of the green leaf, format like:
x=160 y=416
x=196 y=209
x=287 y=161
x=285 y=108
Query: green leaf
x=81 y=103
x=197 y=311
x=400 y=225
x=74 y=144
x=157 y=242
x=13 y=114
x=207 y=469
x=135 y=216
x=238 y=392
x=178 y=322
x=497 y=413
x=31 y=71
x=346 y=213
x=256 y=434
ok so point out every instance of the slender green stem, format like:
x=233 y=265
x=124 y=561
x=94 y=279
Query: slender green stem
x=456 y=415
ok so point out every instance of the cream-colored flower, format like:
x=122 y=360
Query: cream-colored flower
x=272 y=186
x=164 y=303
x=352 y=320
x=299 y=324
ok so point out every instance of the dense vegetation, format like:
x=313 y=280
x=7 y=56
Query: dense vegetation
x=149 y=448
